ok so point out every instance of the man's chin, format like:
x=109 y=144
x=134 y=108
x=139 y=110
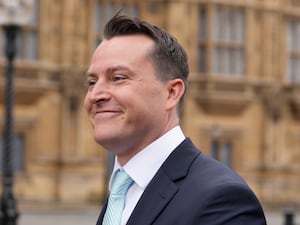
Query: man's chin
x=105 y=141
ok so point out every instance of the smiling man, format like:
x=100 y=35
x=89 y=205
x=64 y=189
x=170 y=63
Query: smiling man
x=136 y=84
x=126 y=98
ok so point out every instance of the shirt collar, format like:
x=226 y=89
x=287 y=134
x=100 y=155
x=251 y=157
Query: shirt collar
x=144 y=165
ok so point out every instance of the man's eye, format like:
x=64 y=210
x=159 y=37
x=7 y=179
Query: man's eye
x=90 y=83
x=118 y=77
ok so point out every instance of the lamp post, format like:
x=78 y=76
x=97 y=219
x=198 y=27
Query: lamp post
x=13 y=14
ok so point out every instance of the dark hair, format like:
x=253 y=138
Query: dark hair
x=169 y=58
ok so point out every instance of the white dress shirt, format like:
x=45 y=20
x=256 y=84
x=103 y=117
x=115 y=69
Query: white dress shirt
x=144 y=165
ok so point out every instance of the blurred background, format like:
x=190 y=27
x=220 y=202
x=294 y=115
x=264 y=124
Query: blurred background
x=242 y=107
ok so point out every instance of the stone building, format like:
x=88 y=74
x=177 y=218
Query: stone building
x=243 y=103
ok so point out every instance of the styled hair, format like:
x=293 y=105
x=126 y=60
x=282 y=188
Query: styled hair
x=168 y=56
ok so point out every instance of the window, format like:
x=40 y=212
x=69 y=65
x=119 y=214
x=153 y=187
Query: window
x=226 y=42
x=17 y=155
x=222 y=151
x=27 y=39
x=293 y=51
x=105 y=10
x=202 y=36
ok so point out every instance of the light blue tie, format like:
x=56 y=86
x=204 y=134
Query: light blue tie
x=116 y=200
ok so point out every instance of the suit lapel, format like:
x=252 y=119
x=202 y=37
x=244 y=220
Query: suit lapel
x=101 y=216
x=163 y=186
x=153 y=200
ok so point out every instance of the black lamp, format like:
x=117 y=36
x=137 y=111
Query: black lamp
x=13 y=15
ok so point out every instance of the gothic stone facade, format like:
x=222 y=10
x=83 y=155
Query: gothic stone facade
x=242 y=107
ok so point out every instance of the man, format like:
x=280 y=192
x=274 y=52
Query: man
x=136 y=82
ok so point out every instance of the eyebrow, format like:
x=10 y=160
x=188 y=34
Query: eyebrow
x=111 y=70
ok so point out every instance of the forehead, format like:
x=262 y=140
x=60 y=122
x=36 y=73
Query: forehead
x=127 y=49
x=126 y=44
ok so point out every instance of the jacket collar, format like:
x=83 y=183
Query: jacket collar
x=163 y=186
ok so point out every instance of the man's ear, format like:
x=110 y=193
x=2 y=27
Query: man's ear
x=176 y=90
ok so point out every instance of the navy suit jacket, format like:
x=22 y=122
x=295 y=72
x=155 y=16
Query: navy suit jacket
x=193 y=189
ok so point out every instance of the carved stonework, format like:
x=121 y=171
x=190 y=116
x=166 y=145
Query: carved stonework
x=294 y=100
x=73 y=88
x=221 y=97
x=274 y=98
x=295 y=2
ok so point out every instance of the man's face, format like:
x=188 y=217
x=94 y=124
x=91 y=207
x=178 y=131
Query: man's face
x=126 y=103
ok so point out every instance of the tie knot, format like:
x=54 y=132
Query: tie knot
x=121 y=183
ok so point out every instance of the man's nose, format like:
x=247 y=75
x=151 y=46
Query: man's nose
x=100 y=93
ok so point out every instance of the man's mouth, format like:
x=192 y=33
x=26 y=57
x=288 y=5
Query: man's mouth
x=106 y=113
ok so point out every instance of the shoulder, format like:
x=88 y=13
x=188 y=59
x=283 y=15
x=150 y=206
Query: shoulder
x=189 y=165
x=211 y=174
x=206 y=173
